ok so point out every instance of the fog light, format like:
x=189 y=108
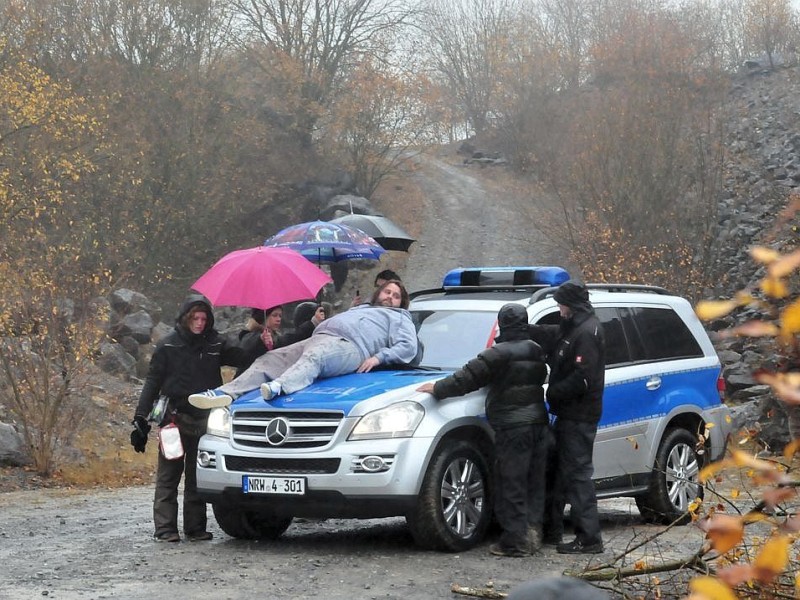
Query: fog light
x=203 y=459
x=373 y=464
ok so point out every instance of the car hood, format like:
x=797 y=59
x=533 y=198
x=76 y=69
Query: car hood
x=344 y=392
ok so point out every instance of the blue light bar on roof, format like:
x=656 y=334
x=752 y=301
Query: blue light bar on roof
x=495 y=276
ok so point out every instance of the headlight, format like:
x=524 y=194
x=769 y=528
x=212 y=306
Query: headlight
x=219 y=422
x=397 y=420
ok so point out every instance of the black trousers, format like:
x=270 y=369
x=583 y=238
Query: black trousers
x=520 y=460
x=572 y=482
x=165 y=502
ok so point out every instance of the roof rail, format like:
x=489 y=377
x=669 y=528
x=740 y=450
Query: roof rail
x=627 y=287
x=608 y=287
x=467 y=289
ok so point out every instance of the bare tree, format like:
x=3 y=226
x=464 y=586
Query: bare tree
x=566 y=28
x=466 y=42
x=306 y=47
x=769 y=25
x=380 y=120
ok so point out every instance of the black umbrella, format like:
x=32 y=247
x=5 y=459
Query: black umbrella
x=384 y=231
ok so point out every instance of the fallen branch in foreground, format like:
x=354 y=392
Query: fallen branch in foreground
x=611 y=573
x=486 y=592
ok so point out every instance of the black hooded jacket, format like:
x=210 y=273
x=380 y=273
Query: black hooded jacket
x=576 y=355
x=515 y=371
x=184 y=363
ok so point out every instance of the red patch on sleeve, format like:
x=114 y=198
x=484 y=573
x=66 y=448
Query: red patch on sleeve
x=578 y=359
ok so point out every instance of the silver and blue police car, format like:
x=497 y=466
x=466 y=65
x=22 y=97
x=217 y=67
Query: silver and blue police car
x=369 y=445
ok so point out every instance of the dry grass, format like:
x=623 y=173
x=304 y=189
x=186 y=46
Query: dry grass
x=99 y=454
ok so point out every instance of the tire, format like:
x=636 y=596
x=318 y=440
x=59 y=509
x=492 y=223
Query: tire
x=674 y=481
x=248 y=524
x=453 y=510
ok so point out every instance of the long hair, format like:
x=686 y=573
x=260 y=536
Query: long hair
x=404 y=299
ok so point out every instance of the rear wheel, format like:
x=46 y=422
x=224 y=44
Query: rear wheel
x=453 y=510
x=249 y=524
x=674 y=482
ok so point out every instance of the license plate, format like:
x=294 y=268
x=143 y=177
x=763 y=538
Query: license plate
x=294 y=486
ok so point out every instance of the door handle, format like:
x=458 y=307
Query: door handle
x=653 y=383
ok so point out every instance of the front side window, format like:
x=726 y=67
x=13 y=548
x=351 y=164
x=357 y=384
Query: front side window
x=451 y=338
x=614 y=334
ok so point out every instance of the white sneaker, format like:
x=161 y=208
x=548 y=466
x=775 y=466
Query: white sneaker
x=210 y=399
x=270 y=389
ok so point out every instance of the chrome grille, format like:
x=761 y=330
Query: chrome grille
x=307 y=429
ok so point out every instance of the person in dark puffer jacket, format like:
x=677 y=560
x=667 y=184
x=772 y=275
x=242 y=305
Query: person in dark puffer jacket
x=187 y=360
x=576 y=355
x=514 y=370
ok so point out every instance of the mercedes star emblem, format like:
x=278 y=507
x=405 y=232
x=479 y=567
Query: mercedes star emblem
x=277 y=431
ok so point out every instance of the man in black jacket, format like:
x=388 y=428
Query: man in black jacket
x=514 y=369
x=576 y=354
x=185 y=361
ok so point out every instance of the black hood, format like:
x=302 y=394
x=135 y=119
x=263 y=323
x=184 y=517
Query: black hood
x=304 y=312
x=512 y=321
x=189 y=303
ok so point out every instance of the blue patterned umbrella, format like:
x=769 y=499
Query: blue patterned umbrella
x=323 y=241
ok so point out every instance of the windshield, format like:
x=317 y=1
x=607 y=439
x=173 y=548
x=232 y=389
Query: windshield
x=451 y=338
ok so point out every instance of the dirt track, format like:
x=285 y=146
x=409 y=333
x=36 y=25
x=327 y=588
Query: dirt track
x=470 y=222
x=94 y=545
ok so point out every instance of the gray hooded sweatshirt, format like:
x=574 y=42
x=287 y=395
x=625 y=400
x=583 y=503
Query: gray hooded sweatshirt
x=385 y=333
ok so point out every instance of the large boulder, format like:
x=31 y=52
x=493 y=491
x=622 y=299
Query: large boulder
x=137 y=325
x=114 y=359
x=125 y=302
x=345 y=204
x=12 y=447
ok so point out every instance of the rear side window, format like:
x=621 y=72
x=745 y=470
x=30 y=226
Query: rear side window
x=662 y=334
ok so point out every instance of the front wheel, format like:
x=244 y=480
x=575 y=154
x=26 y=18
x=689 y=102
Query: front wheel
x=674 y=482
x=453 y=509
x=249 y=524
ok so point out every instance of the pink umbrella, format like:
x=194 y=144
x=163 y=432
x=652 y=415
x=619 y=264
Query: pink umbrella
x=261 y=277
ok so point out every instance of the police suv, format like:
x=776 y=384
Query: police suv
x=369 y=445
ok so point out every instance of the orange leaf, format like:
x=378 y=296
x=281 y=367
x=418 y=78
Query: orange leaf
x=633 y=442
x=790 y=318
x=709 y=471
x=754 y=329
x=774 y=287
x=710 y=588
x=784 y=265
x=786 y=391
x=736 y=574
x=742 y=459
x=713 y=309
x=723 y=531
x=774 y=556
x=790 y=449
x=775 y=496
x=764 y=255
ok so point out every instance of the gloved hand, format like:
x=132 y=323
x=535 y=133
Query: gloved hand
x=139 y=434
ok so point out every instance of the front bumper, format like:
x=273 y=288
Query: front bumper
x=336 y=485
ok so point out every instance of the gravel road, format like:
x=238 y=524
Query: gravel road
x=96 y=544
x=471 y=221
